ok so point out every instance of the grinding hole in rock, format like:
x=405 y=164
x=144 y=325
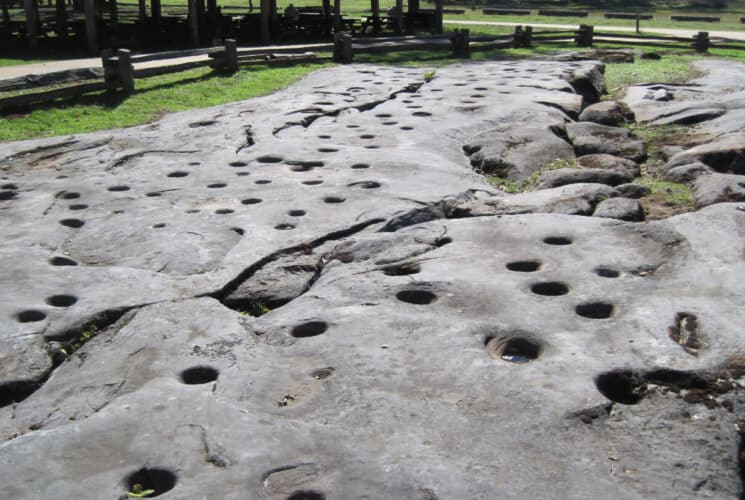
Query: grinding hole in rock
x=309 y=329
x=406 y=127
x=117 y=189
x=296 y=213
x=284 y=227
x=224 y=211
x=365 y=184
x=550 y=288
x=607 y=272
x=322 y=373
x=16 y=391
x=242 y=174
x=422 y=113
x=62 y=261
x=251 y=201
x=441 y=242
x=238 y=230
x=68 y=195
x=312 y=183
x=557 y=240
x=524 y=266
x=333 y=199
x=306 y=495
x=217 y=185
x=199 y=375
x=595 y=310
x=263 y=181
x=621 y=386
x=73 y=223
x=159 y=225
x=157 y=480
x=402 y=269
x=7 y=195
x=30 y=316
x=9 y=186
x=61 y=300
x=327 y=150
x=367 y=136
x=324 y=136
x=178 y=173
x=238 y=164
x=418 y=297
x=79 y=206
x=513 y=349
x=360 y=166
x=269 y=159
x=154 y=194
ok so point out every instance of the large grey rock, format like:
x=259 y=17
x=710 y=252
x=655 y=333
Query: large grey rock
x=718 y=188
x=563 y=176
x=613 y=113
x=725 y=154
x=627 y=209
x=687 y=173
x=635 y=191
x=609 y=162
x=592 y=138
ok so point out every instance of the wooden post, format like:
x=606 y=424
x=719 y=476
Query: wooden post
x=212 y=8
x=30 y=8
x=193 y=23
x=200 y=8
x=142 y=6
x=461 y=41
x=337 y=14
x=126 y=71
x=701 y=41
x=517 y=37
x=438 y=16
x=528 y=37
x=6 y=12
x=110 y=69
x=413 y=7
x=584 y=35
x=231 y=55
x=343 y=48
x=326 y=8
x=637 y=23
x=156 y=11
x=399 y=17
x=375 y=8
x=114 y=13
x=91 y=26
x=61 y=15
x=265 y=8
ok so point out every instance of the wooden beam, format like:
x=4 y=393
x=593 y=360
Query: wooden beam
x=265 y=12
x=61 y=14
x=30 y=8
x=91 y=26
x=375 y=8
x=193 y=23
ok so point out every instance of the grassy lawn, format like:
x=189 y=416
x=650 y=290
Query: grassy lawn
x=154 y=97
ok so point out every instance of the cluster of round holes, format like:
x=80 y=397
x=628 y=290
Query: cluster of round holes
x=557 y=240
x=416 y=296
x=524 y=266
x=117 y=189
x=199 y=375
x=157 y=480
x=224 y=211
x=78 y=206
x=322 y=373
x=296 y=213
x=251 y=201
x=178 y=173
x=216 y=185
x=73 y=223
x=513 y=349
x=550 y=288
x=30 y=316
x=596 y=310
x=62 y=261
x=334 y=199
x=402 y=269
x=309 y=329
x=284 y=227
x=61 y=300
x=607 y=272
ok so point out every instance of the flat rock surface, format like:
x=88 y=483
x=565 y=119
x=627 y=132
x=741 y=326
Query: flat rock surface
x=314 y=295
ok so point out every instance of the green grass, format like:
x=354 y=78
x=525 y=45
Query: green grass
x=16 y=62
x=672 y=68
x=670 y=193
x=154 y=97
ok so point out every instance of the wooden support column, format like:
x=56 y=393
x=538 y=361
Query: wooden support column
x=114 y=13
x=61 y=14
x=193 y=23
x=438 y=16
x=413 y=7
x=265 y=11
x=31 y=10
x=337 y=13
x=326 y=7
x=375 y=8
x=231 y=55
x=126 y=74
x=399 y=17
x=91 y=26
x=212 y=8
x=273 y=11
x=142 y=6
x=201 y=7
x=6 y=12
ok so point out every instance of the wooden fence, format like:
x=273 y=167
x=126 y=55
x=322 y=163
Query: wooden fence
x=121 y=69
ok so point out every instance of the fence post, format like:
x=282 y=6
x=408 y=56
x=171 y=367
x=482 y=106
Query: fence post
x=461 y=41
x=584 y=35
x=517 y=37
x=343 y=48
x=126 y=71
x=528 y=37
x=110 y=69
x=701 y=41
x=231 y=55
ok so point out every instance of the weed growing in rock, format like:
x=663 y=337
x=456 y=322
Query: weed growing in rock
x=137 y=491
x=429 y=75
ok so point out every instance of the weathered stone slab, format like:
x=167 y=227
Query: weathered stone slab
x=593 y=138
x=563 y=176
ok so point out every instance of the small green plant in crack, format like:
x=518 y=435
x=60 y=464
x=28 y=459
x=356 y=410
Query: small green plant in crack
x=254 y=309
x=138 y=491
x=671 y=194
x=505 y=185
x=430 y=75
x=556 y=164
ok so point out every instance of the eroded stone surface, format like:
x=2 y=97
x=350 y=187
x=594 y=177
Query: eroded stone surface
x=416 y=333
